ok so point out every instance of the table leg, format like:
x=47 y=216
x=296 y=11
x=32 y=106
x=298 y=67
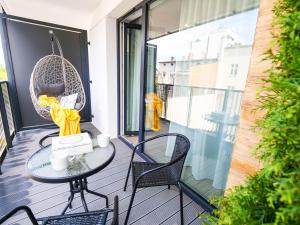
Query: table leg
x=70 y=199
x=82 y=187
x=95 y=193
x=79 y=186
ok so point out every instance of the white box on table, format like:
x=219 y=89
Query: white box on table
x=75 y=144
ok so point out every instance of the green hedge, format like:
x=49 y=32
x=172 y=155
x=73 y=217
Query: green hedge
x=272 y=196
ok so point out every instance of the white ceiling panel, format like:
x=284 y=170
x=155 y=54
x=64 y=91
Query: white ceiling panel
x=74 y=13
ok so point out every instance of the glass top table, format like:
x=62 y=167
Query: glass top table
x=39 y=168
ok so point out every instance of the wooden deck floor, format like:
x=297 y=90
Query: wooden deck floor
x=152 y=206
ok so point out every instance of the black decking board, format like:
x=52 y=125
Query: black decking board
x=152 y=206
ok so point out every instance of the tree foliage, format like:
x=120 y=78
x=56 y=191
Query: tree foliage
x=272 y=196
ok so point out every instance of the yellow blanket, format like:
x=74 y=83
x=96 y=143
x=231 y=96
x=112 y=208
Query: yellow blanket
x=154 y=107
x=68 y=120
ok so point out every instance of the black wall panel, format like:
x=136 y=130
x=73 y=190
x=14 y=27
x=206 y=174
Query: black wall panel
x=30 y=42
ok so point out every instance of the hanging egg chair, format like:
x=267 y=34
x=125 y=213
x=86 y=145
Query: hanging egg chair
x=53 y=75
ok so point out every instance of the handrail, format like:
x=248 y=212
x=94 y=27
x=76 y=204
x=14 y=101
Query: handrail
x=207 y=88
x=227 y=102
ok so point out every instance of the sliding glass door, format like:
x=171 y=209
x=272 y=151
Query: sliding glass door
x=197 y=59
x=131 y=76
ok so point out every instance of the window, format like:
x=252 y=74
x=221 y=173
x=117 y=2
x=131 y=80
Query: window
x=210 y=41
x=234 y=70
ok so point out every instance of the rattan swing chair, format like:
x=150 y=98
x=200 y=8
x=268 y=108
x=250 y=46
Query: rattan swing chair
x=53 y=75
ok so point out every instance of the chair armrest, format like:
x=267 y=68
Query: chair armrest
x=15 y=210
x=115 y=220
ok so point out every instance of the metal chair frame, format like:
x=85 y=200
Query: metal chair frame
x=64 y=219
x=158 y=168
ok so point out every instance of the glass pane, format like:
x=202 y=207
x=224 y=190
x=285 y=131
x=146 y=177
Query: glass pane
x=201 y=53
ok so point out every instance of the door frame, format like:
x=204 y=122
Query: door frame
x=127 y=26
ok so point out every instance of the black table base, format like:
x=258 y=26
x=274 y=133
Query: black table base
x=79 y=186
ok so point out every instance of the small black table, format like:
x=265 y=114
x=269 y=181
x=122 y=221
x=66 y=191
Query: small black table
x=40 y=169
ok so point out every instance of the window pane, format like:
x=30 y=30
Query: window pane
x=201 y=50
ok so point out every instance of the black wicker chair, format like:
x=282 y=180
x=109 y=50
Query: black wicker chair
x=86 y=218
x=145 y=174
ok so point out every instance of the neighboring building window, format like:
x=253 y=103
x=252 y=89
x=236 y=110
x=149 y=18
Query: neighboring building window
x=234 y=70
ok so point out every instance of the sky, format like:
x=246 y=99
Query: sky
x=2 y=62
x=178 y=44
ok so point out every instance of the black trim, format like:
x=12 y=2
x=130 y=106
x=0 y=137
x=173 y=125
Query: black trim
x=127 y=28
x=71 y=178
x=10 y=74
x=125 y=74
x=118 y=76
x=143 y=84
x=37 y=22
x=85 y=74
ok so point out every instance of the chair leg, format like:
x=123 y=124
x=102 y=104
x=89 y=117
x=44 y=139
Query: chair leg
x=130 y=206
x=181 y=204
x=126 y=181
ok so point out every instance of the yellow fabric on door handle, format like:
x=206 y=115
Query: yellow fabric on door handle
x=154 y=106
x=68 y=120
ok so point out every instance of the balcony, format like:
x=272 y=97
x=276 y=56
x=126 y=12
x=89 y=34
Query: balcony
x=181 y=73
x=151 y=206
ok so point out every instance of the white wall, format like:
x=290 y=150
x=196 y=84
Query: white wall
x=103 y=73
x=112 y=9
x=98 y=71
x=103 y=63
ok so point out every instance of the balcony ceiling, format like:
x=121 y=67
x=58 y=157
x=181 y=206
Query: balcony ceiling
x=74 y=13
